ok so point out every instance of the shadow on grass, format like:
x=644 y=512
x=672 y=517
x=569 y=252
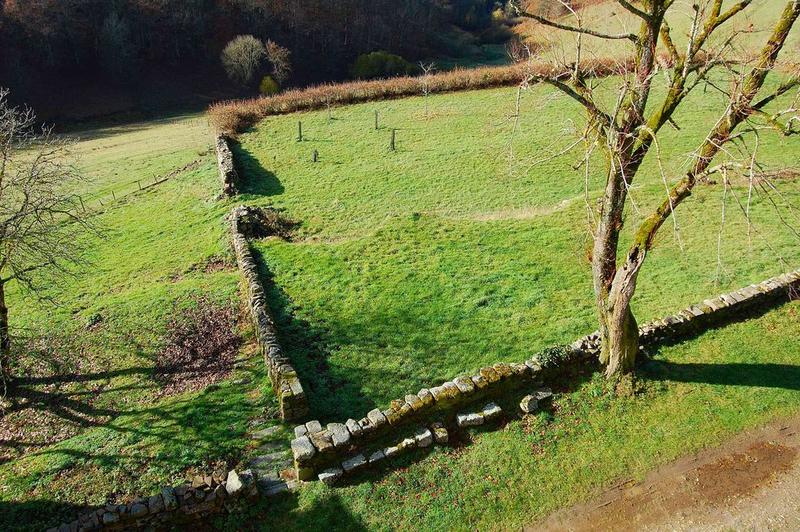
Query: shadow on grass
x=19 y=516
x=327 y=512
x=783 y=376
x=332 y=397
x=255 y=179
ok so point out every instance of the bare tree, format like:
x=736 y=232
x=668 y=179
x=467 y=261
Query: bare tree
x=40 y=219
x=242 y=57
x=280 y=59
x=425 y=81
x=627 y=130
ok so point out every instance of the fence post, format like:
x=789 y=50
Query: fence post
x=315 y=156
x=392 y=145
x=299 y=131
x=376 y=120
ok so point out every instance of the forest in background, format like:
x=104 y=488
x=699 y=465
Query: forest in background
x=75 y=59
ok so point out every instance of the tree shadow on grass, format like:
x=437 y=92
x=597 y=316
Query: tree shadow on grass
x=767 y=375
x=254 y=178
x=331 y=396
x=19 y=516
x=284 y=513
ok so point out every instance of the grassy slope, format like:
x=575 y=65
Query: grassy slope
x=694 y=395
x=151 y=257
x=413 y=266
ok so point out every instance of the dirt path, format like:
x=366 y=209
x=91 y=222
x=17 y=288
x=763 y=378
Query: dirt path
x=751 y=482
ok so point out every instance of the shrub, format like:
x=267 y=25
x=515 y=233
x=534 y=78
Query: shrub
x=243 y=57
x=268 y=86
x=381 y=65
x=280 y=59
x=235 y=116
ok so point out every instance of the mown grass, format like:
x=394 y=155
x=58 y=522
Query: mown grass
x=460 y=249
x=158 y=249
x=692 y=395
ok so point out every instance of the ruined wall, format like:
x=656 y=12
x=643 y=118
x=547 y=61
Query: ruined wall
x=227 y=167
x=329 y=452
x=171 y=506
x=285 y=382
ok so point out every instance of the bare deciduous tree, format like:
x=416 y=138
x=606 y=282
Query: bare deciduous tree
x=280 y=59
x=627 y=130
x=242 y=57
x=40 y=217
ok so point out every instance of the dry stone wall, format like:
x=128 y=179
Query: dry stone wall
x=227 y=167
x=291 y=397
x=183 y=504
x=327 y=453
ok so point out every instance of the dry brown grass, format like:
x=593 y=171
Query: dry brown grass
x=233 y=117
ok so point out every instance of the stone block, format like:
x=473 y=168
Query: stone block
x=300 y=430
x=407 y=443
x=339 y=434
x=503 y=369
x=322 y=441
x=529 y=404
x=491 y=412
x=313 y=426
x=423 y=437
x=464 y=385
x=155 y=504
x=138 y=510
x=479 y=382
x=376 y=457
x=440 y=435
x=233 y=484
x=376 y=418
x=489 y=374
x=303 y=449
x=330 y=476
x=414 y=402
x=354 y=463
x=170 y=501
x=472 y=419
x=354 y=428
x=393 y=416
x=426 y=397
x=391 y=451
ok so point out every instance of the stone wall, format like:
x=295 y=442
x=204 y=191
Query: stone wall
x=183 y=504
x=329 y=452
x=285 y=382
x=227 y=167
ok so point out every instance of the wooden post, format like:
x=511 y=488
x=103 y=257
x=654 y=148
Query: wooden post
x=315 y=156
x=392 y=145
x=299 y=131
x=376 y=120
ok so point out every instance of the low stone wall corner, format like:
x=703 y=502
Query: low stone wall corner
x=285 y=382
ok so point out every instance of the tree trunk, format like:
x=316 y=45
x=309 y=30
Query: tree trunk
x=619 y=333
x=5 y=338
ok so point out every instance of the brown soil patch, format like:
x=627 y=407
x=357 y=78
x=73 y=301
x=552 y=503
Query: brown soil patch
x=752 y=481
x=742 y=473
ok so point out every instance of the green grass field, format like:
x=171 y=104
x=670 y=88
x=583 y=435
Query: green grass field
x=159 y=247
x=464 y=247
x=455 y=251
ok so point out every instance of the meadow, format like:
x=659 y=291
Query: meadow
x=91 y=424
x=466 y=245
